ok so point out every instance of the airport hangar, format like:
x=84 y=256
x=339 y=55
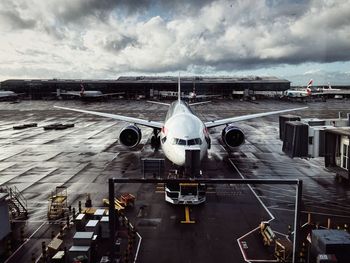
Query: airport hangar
x=148 y=86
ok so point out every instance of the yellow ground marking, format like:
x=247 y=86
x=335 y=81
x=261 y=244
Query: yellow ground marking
x=187 y=217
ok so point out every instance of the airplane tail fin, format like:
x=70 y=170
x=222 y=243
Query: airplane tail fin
x=308 y=87
x=82 y=91
x=179 y=89
x=310 y=83
x=329 y=86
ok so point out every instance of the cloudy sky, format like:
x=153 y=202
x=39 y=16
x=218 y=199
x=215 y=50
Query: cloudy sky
x=105 y=39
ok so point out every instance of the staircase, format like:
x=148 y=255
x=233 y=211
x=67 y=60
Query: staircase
x=16 y=202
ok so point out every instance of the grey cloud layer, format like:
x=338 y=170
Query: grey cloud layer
x=107 y=37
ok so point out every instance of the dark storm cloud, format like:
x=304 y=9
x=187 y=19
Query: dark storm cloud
x=116 y=45
x=154 y=36
x=74 y=11
x=283 y=8
x=13 y=20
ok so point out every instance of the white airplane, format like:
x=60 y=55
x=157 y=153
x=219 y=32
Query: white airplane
x=9 y=95
x=305 y=92
x=329 y=88
x=87 y=94
x=182 y=130
x=191 y=96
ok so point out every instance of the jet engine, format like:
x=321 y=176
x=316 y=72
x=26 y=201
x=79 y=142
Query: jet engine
x=130 y=136
x=232 y=136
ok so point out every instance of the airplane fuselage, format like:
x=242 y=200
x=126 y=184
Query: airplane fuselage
x=91 y=93
x=182 y=131
x=297 y=93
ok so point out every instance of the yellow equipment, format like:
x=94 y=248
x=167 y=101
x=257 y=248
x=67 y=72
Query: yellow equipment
x=267 y=233
x=126 y=199
x=122 y=202
x=283 y=250
x=117 y=205
x=58 y=203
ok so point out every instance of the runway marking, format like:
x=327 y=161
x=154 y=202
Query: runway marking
x=138 y=247
x=187 y=217
x=25 y=242
x=267 y=210
x=257 y=197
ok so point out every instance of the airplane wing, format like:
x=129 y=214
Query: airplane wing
x=206 y=96
x=211 y=124
x=113 y=94
x=76 y=94
x=159 y=103
x=199 y=103
x=147 y=123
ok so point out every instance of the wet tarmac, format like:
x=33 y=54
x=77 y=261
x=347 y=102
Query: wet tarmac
x=84 y=157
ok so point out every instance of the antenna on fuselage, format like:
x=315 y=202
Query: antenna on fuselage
x=178 y=89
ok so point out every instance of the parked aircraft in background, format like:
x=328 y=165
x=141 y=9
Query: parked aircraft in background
x=9 y=95
x=329 y=88
x=182 y=130
x=192 y=96
x=86 y=94
x=302 y=93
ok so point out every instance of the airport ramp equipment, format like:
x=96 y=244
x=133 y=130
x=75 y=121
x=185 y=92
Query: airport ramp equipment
x=117 y=205
x=121 y=202
x=58 y=203
x=16 y=202
x=283 y=250
x=267 y=233
x=126 y=199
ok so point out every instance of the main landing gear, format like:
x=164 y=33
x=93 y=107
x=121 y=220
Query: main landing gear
x=155 y=140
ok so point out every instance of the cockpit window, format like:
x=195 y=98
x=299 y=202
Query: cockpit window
x=181 y=142
x=196 y=141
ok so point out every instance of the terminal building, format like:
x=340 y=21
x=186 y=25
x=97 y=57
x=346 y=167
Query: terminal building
x=148 y=86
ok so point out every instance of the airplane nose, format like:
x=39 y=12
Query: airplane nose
x=180 y=159
x=178 y=156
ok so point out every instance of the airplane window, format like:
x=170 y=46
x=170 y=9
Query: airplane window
x=181 y=142
x=191 y=142
x=164 y=139
x=196 y=141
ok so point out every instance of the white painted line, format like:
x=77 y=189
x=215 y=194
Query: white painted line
x=251 y=231
x=267 y=210
x=25 y=242
x=257 y=197
x=138 y=247
x=263 y=260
